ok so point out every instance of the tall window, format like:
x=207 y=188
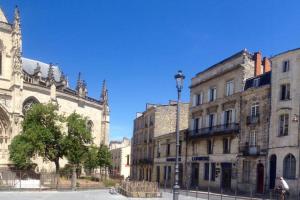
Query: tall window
x=255 y=109
x=212 y=94
x=285 y=92
x=246 y=171
x=286 y=66
x=252 y=138
x=127 y=160
x=226 y=145
x=196 y=124
x=211 y=119
x=168 y=148
x=213 y=172
x=180 y=148
x=199 y=99
x=229 y=88
x=289 y=167
x=158 y=149
x=206 y=171
x=228 y=117
x=169 y=172
x=256 y=82
x=283 y=124
x=209 y=147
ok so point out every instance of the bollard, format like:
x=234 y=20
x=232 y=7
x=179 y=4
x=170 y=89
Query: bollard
x=235 y=193
x=221 y=193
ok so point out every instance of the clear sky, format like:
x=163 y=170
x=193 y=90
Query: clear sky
x=138 y=45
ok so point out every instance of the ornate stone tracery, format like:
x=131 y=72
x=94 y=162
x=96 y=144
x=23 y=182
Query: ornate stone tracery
x=28 y=103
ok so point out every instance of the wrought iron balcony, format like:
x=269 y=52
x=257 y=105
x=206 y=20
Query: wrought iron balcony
x=253 y=119
x=215 y=130
x=249 y=150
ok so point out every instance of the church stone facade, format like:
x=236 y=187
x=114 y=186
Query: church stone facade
x=24 y=82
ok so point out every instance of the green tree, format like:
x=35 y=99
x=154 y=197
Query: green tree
x=91 y=161
x=76 y=142
x=21 y=152
x=41 y=135
x=104 y=157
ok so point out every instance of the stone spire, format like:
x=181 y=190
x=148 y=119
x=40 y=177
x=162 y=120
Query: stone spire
x=17 y=43
x=81 y=87
x=104 y=93
x=50 y=75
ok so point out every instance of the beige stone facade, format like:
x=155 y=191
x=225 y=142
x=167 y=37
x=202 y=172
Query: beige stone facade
x=165 y=157
x=284 y=146
x=120 y=152
x=254 y=133
x=24 y=82
x=213 y=139
x=156 y=121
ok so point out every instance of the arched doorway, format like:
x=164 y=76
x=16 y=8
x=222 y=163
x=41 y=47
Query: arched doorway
x=5 y=133
x=260 y=178
x=272 y=172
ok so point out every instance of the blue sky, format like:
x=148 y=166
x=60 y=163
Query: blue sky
x=138 y=45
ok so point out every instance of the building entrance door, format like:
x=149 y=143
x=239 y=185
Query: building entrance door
x=195 y=175
x=273 y=160
x=260 y=178
x=226 y=176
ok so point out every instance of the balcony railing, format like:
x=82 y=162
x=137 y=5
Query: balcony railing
x=215 y=130
x=253 y=119
x=249 y=150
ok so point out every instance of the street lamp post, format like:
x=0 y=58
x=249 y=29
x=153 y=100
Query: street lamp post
x=179 y=77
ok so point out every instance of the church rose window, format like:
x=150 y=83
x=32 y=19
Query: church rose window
x=28 y=103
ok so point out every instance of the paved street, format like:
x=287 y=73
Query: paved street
x=68 y=195
x=96 y=194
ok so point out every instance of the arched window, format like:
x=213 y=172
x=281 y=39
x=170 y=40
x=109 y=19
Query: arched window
x=90 y=125
x=289 y=167
x=28 y=104
x=1 y=50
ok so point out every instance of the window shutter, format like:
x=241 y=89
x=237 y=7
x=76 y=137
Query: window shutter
x=200 y=123
x=207 y=121
x=194 y=100
x=215 y=119
x=208 y=95
x=201 y=98
x=223 y=117
x=233 y=116
x=215 y=93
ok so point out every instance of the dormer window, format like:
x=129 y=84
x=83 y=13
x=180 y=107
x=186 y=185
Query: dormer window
x=256 y=82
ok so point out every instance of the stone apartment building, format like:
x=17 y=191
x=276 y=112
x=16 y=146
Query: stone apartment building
x=254 y=129
x=165 y=157
x=213 y=138
x=120 y=153
x=284 y=142
x=155 y=121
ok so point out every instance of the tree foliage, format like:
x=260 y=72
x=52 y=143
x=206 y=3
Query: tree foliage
x=91 y=161
x=41 y=135
x=104 y=156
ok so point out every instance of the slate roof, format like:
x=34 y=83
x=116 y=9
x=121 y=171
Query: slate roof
x=30 y=65
x=264 y=79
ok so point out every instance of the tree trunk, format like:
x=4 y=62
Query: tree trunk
x=56 y=173
x=74 y=177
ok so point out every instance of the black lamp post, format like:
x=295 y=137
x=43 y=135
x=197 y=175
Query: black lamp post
x=179 y=77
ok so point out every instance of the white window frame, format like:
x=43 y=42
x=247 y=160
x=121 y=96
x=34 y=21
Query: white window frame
x=229 y=88
x=287 y=93
x=254 y=112
x=283 y=124
x=212 y=94
x=252 y=138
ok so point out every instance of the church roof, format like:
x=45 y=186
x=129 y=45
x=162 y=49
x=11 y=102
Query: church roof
x=2 y=17
x=30 y=65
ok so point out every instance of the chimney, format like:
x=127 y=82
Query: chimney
x=266 y=64
x=257 y=64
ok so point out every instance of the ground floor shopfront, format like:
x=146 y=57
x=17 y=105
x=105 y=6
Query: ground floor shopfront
x=164 y=172
x=214 y=172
